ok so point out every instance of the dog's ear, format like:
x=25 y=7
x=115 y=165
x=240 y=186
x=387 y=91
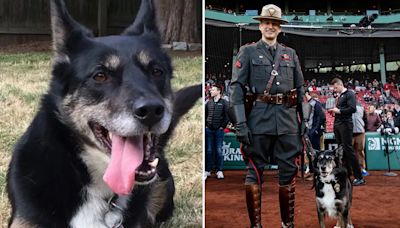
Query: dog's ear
x=65 y=29
x=314 y=154
x=314 y=157
x=339 y=155
x=145 y=21
x=339 y=152
x=184 y=100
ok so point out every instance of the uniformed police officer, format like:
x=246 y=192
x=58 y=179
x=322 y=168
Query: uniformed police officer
x=272 y=128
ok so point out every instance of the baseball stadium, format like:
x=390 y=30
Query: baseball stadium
x=357 y=42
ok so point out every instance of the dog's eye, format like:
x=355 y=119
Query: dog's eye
x=157 y=72
x=100 y=77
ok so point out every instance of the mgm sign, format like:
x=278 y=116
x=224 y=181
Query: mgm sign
x=375 y=151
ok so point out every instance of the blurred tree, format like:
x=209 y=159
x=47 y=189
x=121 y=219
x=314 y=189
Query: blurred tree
x=180 y=20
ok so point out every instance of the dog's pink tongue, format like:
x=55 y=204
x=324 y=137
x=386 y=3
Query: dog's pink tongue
x=126 y=156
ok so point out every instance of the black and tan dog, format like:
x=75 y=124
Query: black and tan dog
x=93 y=155
x=333 y=188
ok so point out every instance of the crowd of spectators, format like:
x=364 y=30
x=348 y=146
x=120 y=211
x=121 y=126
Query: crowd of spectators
x=378 y=99
x=347 y=12
x=223 y=9
x=222 y=81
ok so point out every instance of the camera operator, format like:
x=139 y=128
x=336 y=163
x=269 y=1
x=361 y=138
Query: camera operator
x=388 y=124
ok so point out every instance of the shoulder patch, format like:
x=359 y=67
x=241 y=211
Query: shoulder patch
x=285 y=57
x=238 y=64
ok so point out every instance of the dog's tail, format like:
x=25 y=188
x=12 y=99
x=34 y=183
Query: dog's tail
x=184 y=100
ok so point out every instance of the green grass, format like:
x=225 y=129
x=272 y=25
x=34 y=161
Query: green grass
x=23 y=80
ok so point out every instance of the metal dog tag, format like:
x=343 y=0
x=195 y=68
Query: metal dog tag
x=113 y=219
x=337 y=187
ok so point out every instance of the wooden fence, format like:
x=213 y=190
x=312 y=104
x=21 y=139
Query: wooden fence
x=32 y=17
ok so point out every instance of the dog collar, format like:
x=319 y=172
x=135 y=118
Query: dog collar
x=113 y=218
x=335 y=185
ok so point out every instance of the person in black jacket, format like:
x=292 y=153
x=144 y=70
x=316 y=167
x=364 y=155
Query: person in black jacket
x=216 y=121
x=315 y=122
x=343 y=128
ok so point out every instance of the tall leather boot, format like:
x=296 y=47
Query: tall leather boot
x=253 y=200
x=286 y=202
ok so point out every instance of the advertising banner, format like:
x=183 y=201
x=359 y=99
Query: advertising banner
x=376 y=149
x=375 y=145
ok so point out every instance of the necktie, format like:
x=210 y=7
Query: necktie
x=272 y=51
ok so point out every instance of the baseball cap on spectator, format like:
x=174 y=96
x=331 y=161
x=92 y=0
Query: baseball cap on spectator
x=387 y=86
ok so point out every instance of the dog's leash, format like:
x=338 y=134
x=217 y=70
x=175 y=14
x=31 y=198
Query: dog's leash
x=309 y=150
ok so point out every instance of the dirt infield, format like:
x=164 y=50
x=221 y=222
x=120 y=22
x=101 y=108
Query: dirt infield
x=376 y=204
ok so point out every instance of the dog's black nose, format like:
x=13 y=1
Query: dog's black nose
x=149 y=112
x=323 y=168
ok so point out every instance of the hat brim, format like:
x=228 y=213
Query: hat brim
x=259 y=18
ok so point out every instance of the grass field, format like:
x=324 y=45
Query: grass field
x=24 y=78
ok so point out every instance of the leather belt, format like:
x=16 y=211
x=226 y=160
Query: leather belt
x=278 y=98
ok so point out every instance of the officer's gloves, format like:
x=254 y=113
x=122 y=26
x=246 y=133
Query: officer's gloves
x=243 y=134
x=306 y=109
x=237 y=115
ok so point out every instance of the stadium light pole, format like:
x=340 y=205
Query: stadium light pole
x=240 y=25
x=382 y=63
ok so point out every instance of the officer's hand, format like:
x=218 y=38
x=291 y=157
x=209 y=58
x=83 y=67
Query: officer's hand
x=243 y=134
x=303 y=128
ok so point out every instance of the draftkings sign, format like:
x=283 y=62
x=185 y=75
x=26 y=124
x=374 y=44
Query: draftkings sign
x=231 y=149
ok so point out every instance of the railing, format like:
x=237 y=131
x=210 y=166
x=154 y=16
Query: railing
x=305 y=19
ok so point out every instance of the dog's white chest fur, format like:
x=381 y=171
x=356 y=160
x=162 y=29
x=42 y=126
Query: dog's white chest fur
x=92 y=213
x=328 y=200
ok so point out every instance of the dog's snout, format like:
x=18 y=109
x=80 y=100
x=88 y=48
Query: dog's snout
x=149 y=112
x=323 y=168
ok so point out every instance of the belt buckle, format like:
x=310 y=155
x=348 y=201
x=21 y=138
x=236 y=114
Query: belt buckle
x=279 y=98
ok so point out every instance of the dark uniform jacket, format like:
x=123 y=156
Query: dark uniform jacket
x=253 y=68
